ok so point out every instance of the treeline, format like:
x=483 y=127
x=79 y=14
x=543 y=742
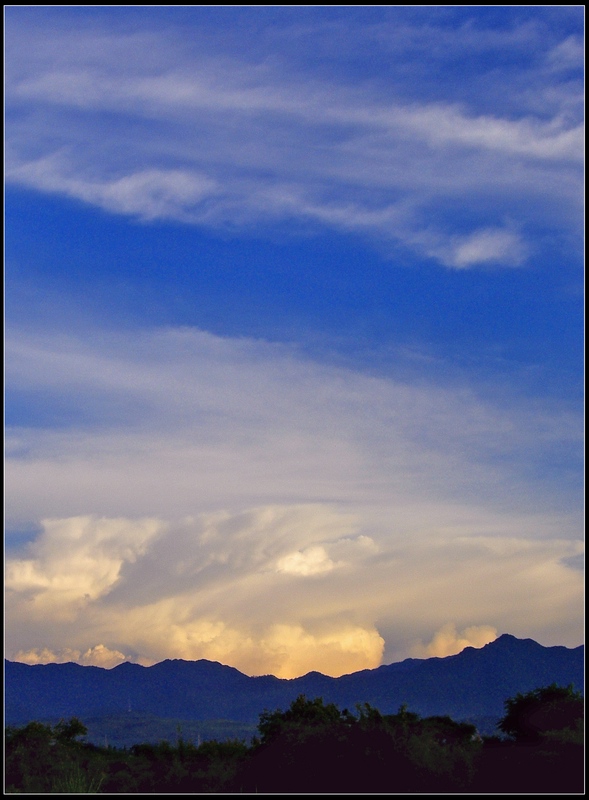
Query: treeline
x=313 y=747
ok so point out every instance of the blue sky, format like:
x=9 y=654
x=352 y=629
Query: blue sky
x=294 y=332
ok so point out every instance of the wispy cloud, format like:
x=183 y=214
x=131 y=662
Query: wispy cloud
x=213 y=139
x=225 y=403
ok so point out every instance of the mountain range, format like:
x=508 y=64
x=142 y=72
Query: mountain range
x=472 y=684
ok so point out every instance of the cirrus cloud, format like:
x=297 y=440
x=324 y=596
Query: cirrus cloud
x=211 y=138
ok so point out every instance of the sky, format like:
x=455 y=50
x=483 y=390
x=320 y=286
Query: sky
x=294 y=333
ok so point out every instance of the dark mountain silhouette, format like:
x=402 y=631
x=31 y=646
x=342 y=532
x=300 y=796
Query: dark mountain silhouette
x=474 y=683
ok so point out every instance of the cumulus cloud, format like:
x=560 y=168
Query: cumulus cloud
x=42 y=655
x=316 y=560
x=193 y=593
x=77 y=561
x=97 y=656
x=312 y=561
x=228 y=587
x=447 y=641
x=236 y=140
x=341 y=651
x=101 y=656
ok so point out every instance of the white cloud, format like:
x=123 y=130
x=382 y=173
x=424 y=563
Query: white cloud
x=443 y=125
x=317 y=559
x=148 y=194
x=211 y=138
x=489 y=246
x=312 y=561
x=191 y=593
x=101 y=656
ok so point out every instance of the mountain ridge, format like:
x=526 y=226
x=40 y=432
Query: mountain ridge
x=474 y=682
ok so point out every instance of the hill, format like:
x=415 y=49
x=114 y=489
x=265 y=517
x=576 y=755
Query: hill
x=472 y=684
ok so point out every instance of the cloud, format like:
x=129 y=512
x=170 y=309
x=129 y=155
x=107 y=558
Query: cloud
x=316 y=560
x=175 y=422
x=191 y=593
x=77 y=561
x=233 y=499
x=260 y=509
x=312 y=561
x=208 y=137
x=46 y=656
x=149 y=194
x=447 y=641
x=489 y=246
x=339 y=652
x=101 y=656
x=209 y=587
x=97 y=656
x=567 y=54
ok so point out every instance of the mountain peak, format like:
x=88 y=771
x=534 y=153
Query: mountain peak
x=507 y=640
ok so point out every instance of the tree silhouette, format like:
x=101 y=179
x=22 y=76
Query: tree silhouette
x=530 y=716
x=303 y=714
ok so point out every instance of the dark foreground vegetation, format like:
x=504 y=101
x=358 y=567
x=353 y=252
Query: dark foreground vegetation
x=314 y=747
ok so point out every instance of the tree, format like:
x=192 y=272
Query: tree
x=68 y=732
x=39 y=757
x=303 y=714
x=528 y=717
